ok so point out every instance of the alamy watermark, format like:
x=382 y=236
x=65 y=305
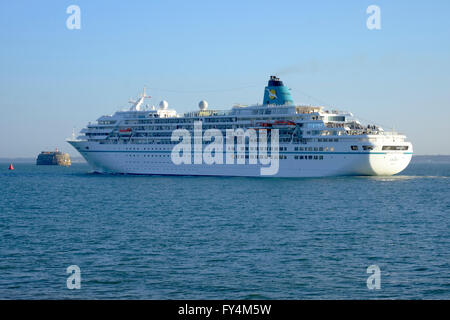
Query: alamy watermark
x=256 y=150
x=73 y=22
x=374 y=20
x=74 y=280
x=374 y=280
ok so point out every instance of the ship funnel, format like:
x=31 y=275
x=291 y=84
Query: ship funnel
x=277 y=93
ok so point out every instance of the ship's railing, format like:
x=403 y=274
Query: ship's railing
x=207 y=113
x=371 y=132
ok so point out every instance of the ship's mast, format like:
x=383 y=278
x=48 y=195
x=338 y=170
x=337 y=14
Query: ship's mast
x=136 y=104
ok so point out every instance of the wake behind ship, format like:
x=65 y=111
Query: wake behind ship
x=310 y=141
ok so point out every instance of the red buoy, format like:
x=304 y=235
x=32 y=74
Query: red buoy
x=11 y=166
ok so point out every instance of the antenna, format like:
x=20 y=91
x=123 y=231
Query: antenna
x=143 y=93
x=136 y=104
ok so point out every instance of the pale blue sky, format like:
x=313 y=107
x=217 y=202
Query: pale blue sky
x=52 y=78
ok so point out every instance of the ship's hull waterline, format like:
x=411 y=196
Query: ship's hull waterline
x=118 y=161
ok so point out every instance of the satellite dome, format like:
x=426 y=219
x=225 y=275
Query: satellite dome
x=163 y=105
x=203 y=105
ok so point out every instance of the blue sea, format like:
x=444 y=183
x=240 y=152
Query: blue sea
x=158 y=237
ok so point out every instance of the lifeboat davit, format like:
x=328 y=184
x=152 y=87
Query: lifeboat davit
x=11 y=167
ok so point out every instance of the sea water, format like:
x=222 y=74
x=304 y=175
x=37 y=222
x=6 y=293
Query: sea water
x=160 y=237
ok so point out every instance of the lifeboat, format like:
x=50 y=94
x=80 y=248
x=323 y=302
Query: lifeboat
x=285 y=123
x=125 y=131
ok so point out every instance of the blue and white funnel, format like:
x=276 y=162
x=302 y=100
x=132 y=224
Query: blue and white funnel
x=277 y=93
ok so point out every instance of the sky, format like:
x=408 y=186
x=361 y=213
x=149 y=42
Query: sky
x=54 y=79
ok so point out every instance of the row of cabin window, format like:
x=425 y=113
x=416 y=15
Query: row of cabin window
x=281 y=157
x=237 y=156
x=149 y=155
x=314 y=149
x=354 y=148
x=259 y=148
x=266 y=148
x=308 y=157
x=327 y=140
x=146 y=149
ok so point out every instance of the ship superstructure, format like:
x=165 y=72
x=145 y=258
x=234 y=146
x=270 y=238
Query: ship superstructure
x=311 y=140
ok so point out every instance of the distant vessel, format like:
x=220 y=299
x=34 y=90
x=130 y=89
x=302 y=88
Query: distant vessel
x=313 y=141
x=55 y=158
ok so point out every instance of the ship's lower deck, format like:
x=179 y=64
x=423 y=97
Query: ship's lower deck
x=156 y=160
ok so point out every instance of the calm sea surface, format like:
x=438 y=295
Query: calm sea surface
x=150 y=237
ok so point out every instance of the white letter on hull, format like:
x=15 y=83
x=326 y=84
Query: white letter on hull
x=273 y=159
x=229 y=157
x=183 y=147
x=198 y=143
x=213 y=153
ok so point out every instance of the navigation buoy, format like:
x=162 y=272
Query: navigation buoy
x=11 y=166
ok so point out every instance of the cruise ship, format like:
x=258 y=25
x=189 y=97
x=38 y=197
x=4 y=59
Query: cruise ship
x=277 y=138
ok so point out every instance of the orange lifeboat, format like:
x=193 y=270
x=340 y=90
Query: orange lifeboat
x=125 y=132
x=284 y=122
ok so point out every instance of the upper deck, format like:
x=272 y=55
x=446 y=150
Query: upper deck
x=307 y=122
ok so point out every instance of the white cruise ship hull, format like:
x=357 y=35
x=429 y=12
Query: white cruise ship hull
x=156 y=160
